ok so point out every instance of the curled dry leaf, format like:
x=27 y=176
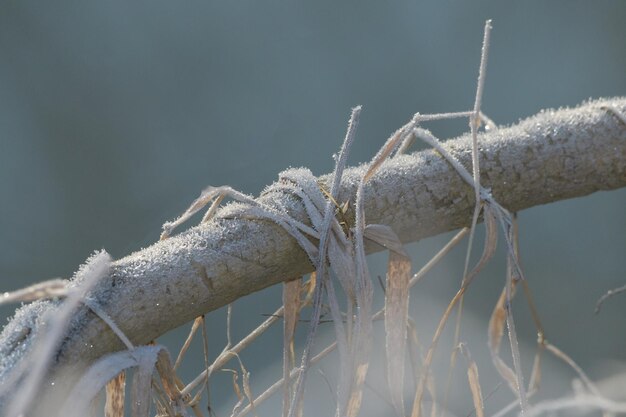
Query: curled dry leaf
x=474 y=383
x=497 y=323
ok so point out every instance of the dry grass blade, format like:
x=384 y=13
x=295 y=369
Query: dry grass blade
x=291 y=305
x=162 y=405
x=43 y=290
x=515 y=353
x=396 y=317
x=363 y=321
x=514 y=274
x=488 y=251
x=474 y=383
x=109 y=321
x=535 y=374
x=392 y=143
x=496 y=331
x=474 y=121
x=475 y=118
x=205 y=346
x=438 y=256
x=278 y=384
x=425 y=371
x=321 y=264
x=409 y=137
x=497 y=323
x=362 y=327
x=229 y=353
x=591 y=387
x=246 y=388
x=142 y=381
x=244 y=392
x=194 y=328
x=416 y=360
x=168 y=377
x=211 y=194
x=206 y=196
x=480 y=85
x=343 y=332
x=240 y=397
x=104 y=370
x=253 y=209
x=199 y=322
x=493 y=213
x=608 y=295
x=356 y=395
x=490 y=244
x=115 y=395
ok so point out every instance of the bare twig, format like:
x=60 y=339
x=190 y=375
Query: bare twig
x=607 y=295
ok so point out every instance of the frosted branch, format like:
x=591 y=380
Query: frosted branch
x=555 y=155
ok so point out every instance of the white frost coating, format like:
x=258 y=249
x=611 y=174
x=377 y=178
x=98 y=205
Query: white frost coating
x=55 y=323
x=27 y=323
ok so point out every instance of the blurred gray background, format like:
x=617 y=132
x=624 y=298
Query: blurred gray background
x=115 y=115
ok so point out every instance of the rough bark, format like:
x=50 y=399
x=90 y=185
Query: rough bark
x=552 y=156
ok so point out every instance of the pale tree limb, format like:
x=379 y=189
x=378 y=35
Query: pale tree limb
x=552 y=156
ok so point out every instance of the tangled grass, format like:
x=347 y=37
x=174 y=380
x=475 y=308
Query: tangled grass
x=61 y=352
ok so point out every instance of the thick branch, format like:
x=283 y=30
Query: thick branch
x=552 y=156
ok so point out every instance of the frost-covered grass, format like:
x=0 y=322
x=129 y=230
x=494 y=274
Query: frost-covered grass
x=40 y=375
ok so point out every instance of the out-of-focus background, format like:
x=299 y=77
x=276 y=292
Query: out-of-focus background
x=115 y=115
